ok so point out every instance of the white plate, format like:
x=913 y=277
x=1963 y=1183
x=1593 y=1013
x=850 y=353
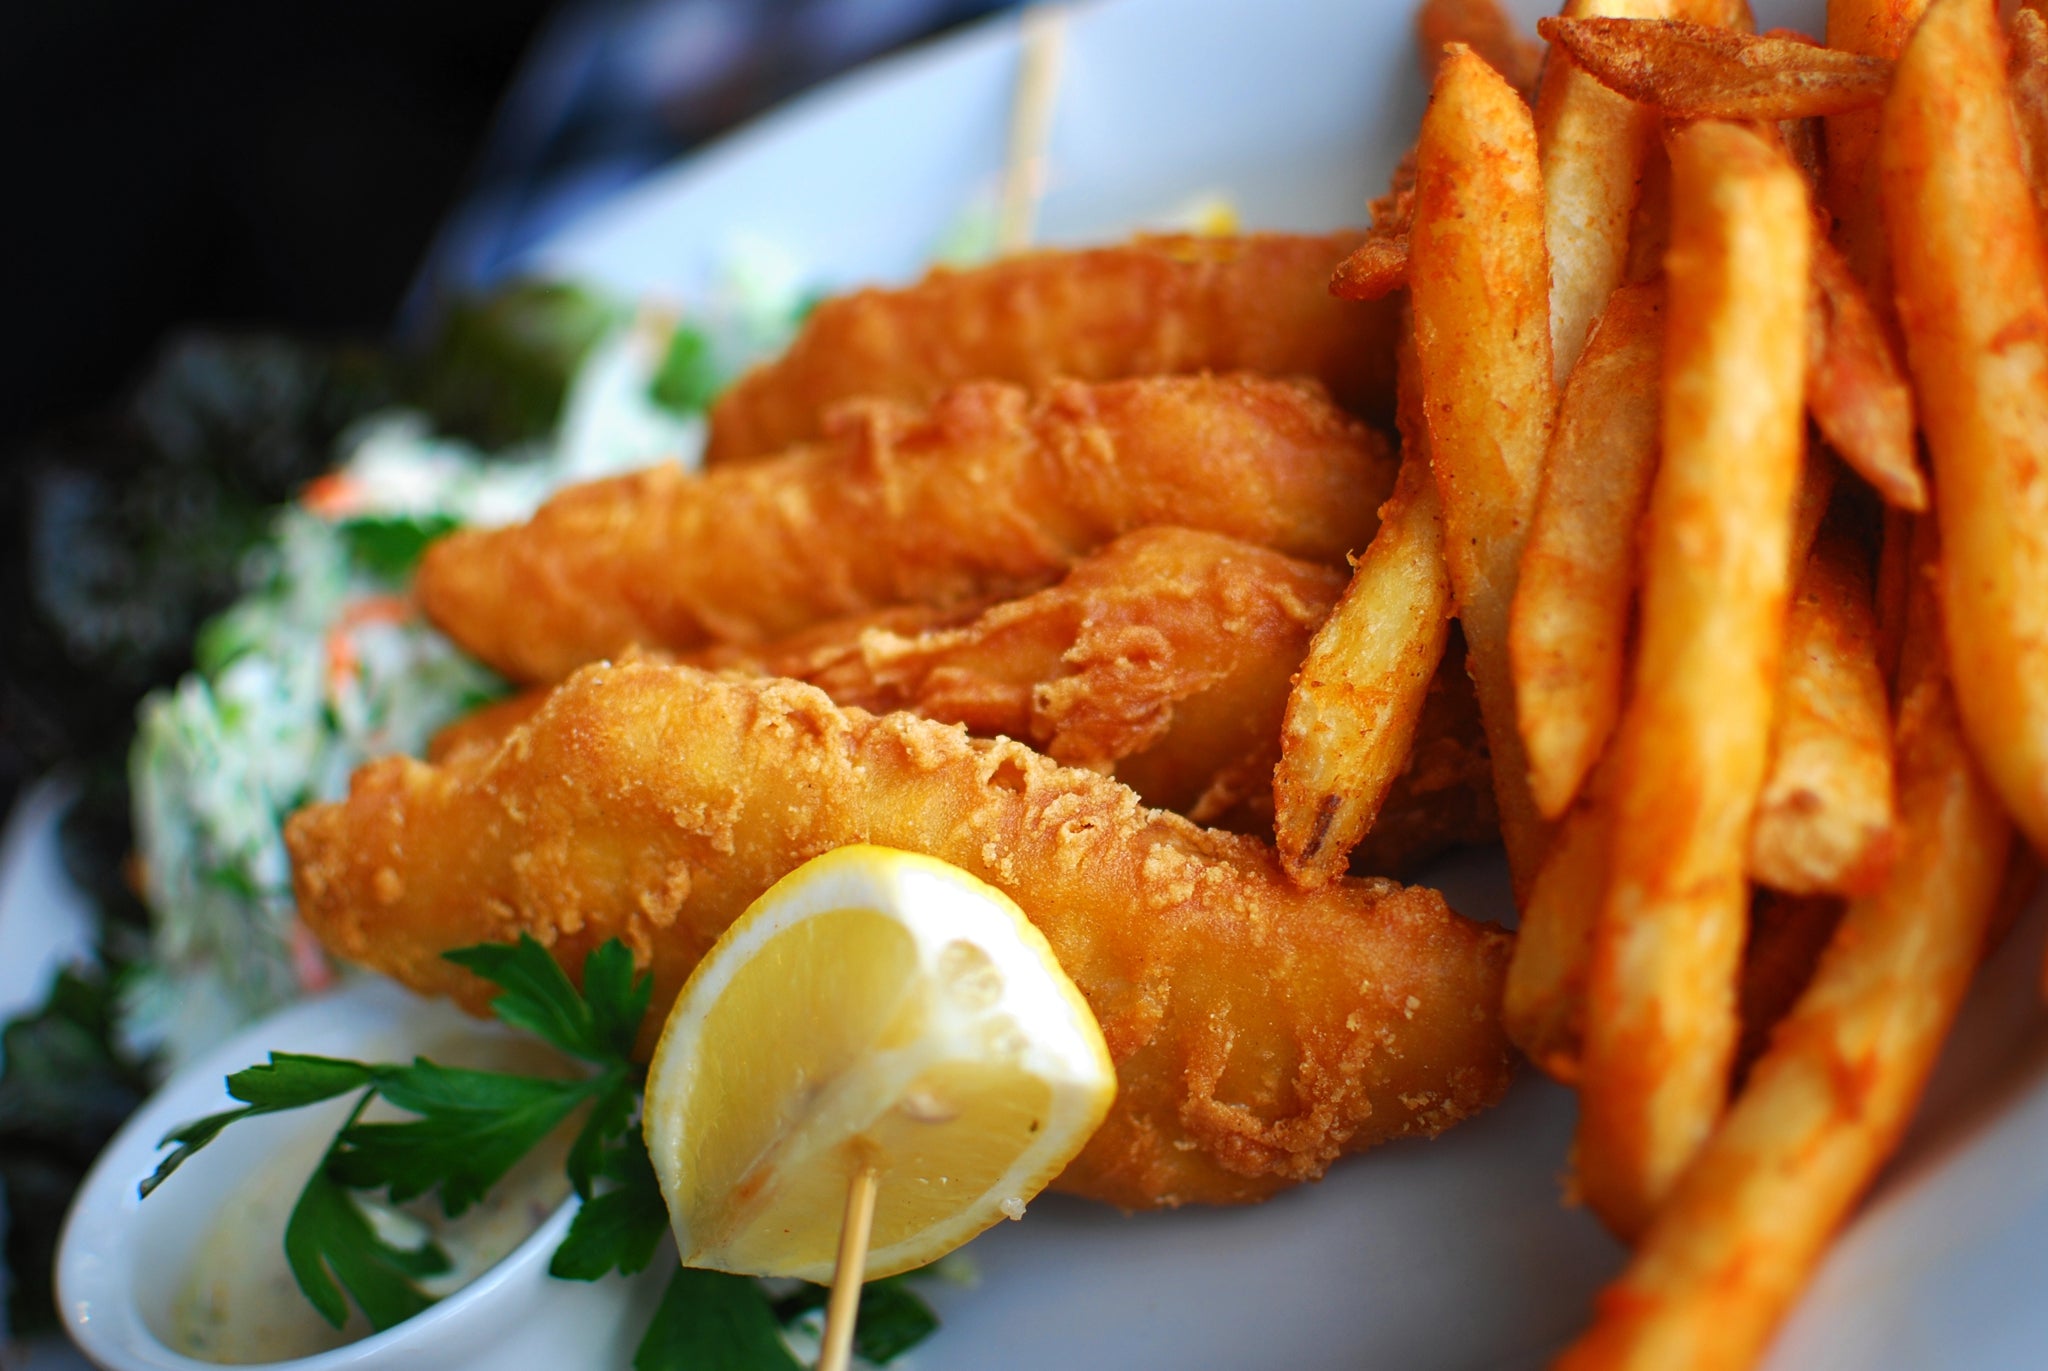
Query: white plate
x=1454 y=1254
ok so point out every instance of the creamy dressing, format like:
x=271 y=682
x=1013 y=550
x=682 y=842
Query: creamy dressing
x=239 y=1305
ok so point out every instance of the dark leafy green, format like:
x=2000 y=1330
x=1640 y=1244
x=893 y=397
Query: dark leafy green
x=391 y=547
x=709 y=1321
x=688 y=380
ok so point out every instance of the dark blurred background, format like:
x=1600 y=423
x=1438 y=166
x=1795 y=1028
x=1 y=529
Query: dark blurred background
x=306 y=172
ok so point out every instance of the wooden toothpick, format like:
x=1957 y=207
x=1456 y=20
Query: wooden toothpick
x=844 y=1305
x=1038 y=82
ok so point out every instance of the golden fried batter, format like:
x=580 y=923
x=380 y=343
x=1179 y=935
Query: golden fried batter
x=1259 y=1031
x=1163 y=659
x=987 y=494
x=1153 y=307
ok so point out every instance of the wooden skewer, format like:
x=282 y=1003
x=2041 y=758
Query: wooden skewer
x=1038 y=81
x=844 y=1304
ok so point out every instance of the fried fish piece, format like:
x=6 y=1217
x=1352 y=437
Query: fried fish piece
x=1153 y=307
x=988 y=493
x=1259 y=1031
x=1163 y=658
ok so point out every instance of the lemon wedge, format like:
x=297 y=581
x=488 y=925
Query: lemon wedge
x=874 y=1010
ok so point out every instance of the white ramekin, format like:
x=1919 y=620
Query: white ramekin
x=122 y=1258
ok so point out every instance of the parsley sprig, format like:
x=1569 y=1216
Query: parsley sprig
x=468 y=1128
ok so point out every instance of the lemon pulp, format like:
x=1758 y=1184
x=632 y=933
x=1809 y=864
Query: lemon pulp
x=875 y=1009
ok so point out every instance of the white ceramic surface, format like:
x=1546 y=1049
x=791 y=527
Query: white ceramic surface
x=1455 y=1254
x=123 y=1258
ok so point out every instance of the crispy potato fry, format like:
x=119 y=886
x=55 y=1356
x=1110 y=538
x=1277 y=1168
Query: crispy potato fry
x=1352 y=713
x=1825 y=821
x=1697 y=71
x=1544 y=1008
x=1856 y=386
x=1484 y=27
x=1827 y=1102
x=1379 y=265
x=2029 y=76
x=1787 y=934
x=1480 y=285
x=1972 y=285
x=1544 y=1005
x=1568 y=630
x=1594 y=144
x=1874 y=28
x=1660 y=1016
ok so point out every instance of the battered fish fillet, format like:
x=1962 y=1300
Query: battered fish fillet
x=1259 y=1031
x=987 y=494
x=1163 y=658
x=1153 y=307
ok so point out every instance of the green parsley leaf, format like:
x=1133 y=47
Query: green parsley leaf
x=290 y=1081
x=538 y=997
x=609 y=1119
x=328 y=1233
x=709 y=1321
x=688 y=380
x=473 y=1126
x=893 y=1318
x=620 y=1228
x=391 y=546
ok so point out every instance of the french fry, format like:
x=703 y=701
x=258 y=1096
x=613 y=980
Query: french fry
x=1486 y=28
x=2029 y=75
x=1856 y=386
x=1543 y=1008
x=1972 y=285
x=1378 y=266
x=1826 y=1103
x=1698 y=71
x=1352 y=713
x=1825 y=820
x=1544 y=1005
x=1568 y=630
x=1479 y=282
x=1874 y=28
x=1660 y=1014
x=1593 y=144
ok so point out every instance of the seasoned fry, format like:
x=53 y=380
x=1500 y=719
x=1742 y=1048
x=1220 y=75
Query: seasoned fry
x=2029 y=75
x=1544 y=1005
x=1259 y=1031
x=1660 y=1015
x=1484 y=27
x=1155 y=306
x=1874 y=28
x=1567 y=637
x=1825 y=821
x=1856 y=385
x=989 y=493
x=1593 y=145
x=1973 y=295
x=1351 y=716
x=1825 y=1105
x=1696 y=71
x=1480 y=286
